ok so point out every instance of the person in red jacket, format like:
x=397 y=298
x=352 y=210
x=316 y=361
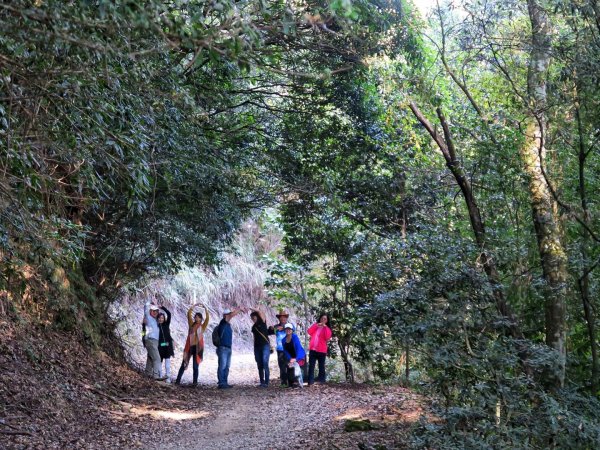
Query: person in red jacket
x=319 y=333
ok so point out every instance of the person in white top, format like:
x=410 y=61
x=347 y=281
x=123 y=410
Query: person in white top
x=151 y=341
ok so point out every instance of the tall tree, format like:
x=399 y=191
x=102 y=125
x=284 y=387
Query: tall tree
x=543 y=204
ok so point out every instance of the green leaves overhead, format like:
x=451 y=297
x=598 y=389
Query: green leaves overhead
x=134 y=135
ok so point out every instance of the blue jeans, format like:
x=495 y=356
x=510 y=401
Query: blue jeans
x=261 y=356
x=224 y=356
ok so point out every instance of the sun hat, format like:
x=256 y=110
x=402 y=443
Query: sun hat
x=226 y=311
x=289 y=325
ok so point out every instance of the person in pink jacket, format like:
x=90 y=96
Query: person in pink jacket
x=319 y=333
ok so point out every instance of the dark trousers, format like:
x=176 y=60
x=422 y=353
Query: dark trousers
x=282 y=363
x=261 y=356
x=313 y=358
x=184 y=365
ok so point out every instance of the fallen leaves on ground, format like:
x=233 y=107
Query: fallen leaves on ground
x=56 y=393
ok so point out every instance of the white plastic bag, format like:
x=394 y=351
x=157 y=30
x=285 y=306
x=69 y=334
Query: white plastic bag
x=297 y=370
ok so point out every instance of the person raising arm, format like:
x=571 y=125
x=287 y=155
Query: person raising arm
x=225 y=342
x=320 y=334
x=262 y=346
x=194 y=343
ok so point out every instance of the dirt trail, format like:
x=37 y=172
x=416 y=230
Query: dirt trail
x=94 y=403
x=247 y=417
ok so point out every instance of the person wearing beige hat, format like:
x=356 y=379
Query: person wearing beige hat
x=279 y=332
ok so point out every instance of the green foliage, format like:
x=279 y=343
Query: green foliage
x=374 y=207
x=136 y=138
x=133 y=137
x=290 y=284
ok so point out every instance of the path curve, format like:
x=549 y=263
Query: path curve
x=247 y=417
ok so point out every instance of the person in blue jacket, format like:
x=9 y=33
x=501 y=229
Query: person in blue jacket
x=279 y=332
x=224 y=349
x=295 y=356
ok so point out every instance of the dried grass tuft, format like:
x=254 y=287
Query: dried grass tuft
x=237 y=283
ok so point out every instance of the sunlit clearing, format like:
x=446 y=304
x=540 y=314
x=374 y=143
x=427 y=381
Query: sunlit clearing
x=409 y=416
x=424 y=6
x=165 y=414
x=352 y=414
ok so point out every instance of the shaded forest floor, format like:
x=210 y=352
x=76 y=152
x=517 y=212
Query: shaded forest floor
x=54 y=393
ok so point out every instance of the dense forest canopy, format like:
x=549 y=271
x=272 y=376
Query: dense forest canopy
x=436 y=180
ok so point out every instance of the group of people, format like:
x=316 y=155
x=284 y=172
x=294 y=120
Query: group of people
x=291 y=356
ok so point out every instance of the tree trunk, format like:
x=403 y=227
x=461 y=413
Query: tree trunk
x=305 y=304
x=550 y=247
x=407 y=368
x=543 y=204
x=596 y=7
x=446 y=146
x=584 y=280
x=348 y=368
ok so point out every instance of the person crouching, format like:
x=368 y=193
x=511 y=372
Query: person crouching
x=295 y=356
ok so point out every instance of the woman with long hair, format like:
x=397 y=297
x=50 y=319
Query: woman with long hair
x=319 y=333
x=262 y=346
x=194 y=343
x=165 y=341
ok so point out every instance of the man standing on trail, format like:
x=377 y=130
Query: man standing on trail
x=151 y=341
x=279 y=332
x=224 y=340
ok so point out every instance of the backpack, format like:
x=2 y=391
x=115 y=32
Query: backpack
x=216 y=336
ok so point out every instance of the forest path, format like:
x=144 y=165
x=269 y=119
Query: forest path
x=94 y=403
x=247 y=417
